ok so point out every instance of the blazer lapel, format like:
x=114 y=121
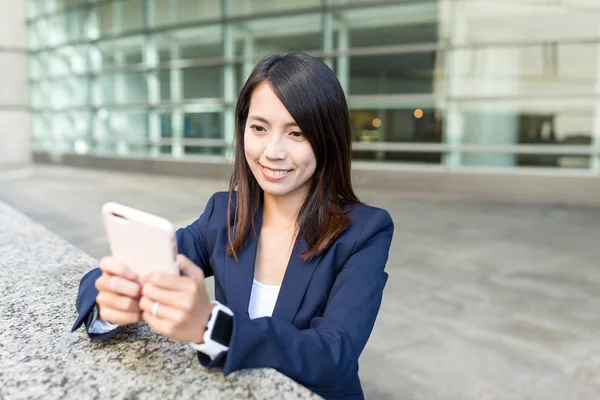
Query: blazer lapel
x=295 y=281
x=239 y=274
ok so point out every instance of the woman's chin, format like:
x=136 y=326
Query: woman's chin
x=268 y=189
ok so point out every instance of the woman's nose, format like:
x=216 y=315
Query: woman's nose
x=275 y=149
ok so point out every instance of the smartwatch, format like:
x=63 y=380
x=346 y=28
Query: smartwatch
x=218 y=331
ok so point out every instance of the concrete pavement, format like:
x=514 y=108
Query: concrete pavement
x=484 y=300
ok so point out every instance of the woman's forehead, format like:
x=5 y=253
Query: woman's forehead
x=266 y=106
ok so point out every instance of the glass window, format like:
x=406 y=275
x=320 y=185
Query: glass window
x=202 y=126
x=121 y=88
x=164 y=79
x=241 y=7
x=527 y=21
x=129 y=127
x=166 y=131
x=169 y=12
x=263 y=36
x=415 y=22
x=393 y=35
x=119 y=52
x=545 y=122
x=396 y=125
x=75 y=24
x=524 y=70
x=202 y=82
x=108 y=19
x=62 y=131
x=54 y=30
x=71 y=92
x=133 y=15
x=119 y=16
x=190 y=44
x=348 y=2
x=64 y=62
x=392 y=74
x=240 y=77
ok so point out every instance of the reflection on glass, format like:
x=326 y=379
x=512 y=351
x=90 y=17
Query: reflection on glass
x=124 y=131
x=202 y=82
x=241 y=7
x=166 y=131
x=168 y=12
x=258 y=37
x=548 y=124
x=379 y=25
x=106 y=17
x=202 y=126
x=491 y=68
x=123 y=87
x=392 y=74
x=525 y=70
x=133 y=15
x=190 y=43
x=367 y=36
x=415 y=125
x=119 y=52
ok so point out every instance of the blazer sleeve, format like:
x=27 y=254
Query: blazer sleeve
x=85 y=303
x=190 y=242
x=329 y=350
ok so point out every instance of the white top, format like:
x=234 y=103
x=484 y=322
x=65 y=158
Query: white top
x=262 y=299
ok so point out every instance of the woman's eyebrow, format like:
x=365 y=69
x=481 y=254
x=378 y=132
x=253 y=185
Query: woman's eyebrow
x=266 y=121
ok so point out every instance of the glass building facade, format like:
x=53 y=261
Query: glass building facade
x=453 y=83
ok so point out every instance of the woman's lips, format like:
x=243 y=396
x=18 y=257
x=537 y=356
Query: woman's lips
x=274 y=175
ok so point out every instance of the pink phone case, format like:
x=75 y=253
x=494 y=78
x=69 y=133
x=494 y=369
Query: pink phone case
x=142 y=241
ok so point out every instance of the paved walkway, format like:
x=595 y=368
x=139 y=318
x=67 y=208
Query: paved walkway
x=484 y=300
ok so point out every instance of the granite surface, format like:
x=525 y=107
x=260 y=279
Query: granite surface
x=41 y=358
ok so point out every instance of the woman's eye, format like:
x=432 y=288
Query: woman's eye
x=257 y=128
x=297 y=134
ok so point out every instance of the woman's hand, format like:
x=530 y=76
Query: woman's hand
x=184 y=307
x=118 y=293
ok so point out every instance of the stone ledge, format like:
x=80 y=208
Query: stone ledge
x=41 y=358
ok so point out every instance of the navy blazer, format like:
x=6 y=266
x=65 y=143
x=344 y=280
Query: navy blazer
x=326 y=307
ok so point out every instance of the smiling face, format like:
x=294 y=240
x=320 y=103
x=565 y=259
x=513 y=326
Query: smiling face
x=278 y=154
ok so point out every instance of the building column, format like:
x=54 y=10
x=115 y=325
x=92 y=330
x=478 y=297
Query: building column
x=343 y=61
x=595 y=160
x=176 y=94
x=455 y=22
x=327 y=22
x=15 y=114
x=150 y=59
x=228 y=78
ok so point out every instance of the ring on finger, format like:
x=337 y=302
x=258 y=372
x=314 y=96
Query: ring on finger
x=155 y=309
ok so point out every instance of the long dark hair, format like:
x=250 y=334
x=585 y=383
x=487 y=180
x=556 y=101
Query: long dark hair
x=313 y=96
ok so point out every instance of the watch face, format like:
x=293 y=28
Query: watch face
x=223 y=328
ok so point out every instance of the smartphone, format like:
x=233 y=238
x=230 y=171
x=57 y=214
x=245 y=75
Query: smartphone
x=142 y=241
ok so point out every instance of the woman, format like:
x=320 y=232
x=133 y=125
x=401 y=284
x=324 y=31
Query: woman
x=298 y=260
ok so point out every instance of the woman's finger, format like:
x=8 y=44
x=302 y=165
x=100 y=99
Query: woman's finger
x=116 y=284
x=118 y=317
x=117 y=302
x=176 y=299
x=165 y=280
x=164 y=312
x=164 y=327
x=114 y=267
